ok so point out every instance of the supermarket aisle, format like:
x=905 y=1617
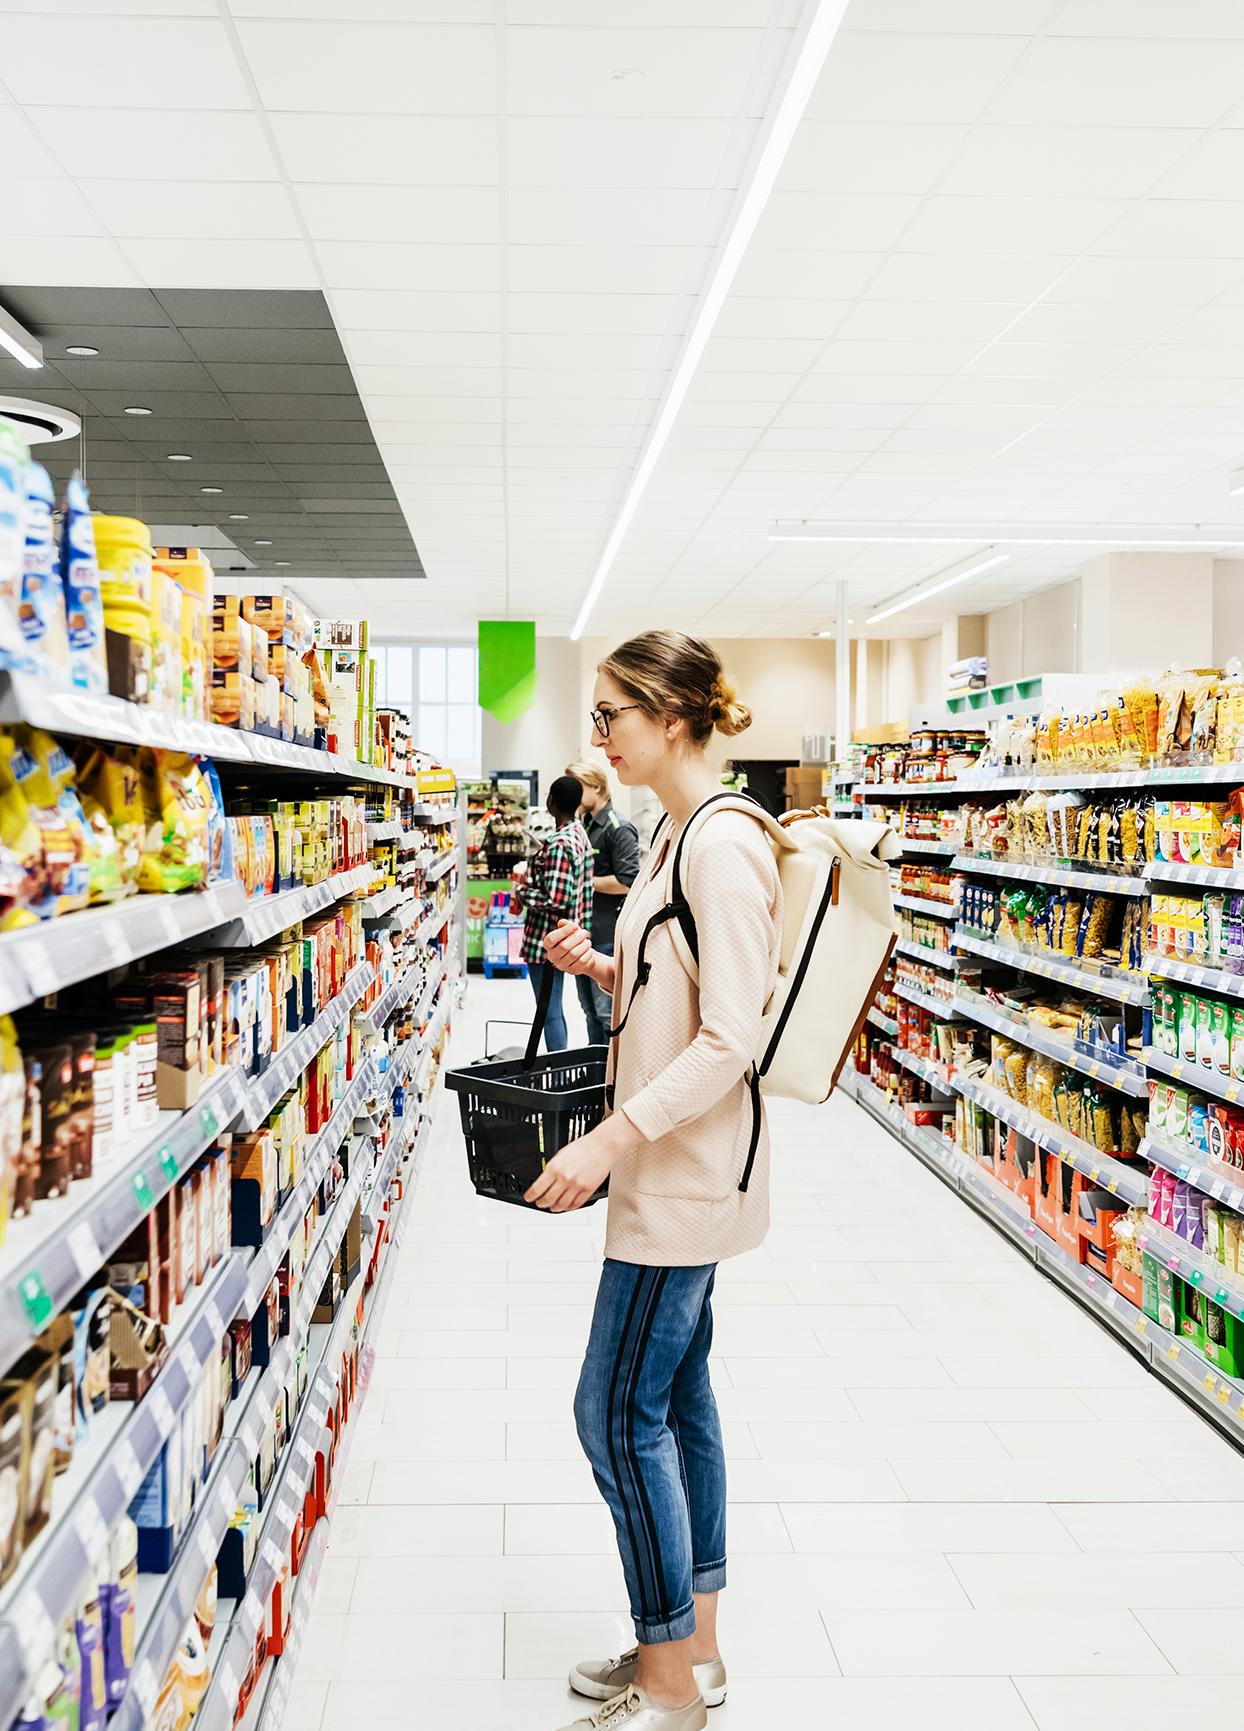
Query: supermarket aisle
x=956 y=1501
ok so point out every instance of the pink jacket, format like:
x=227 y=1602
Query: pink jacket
x=678 y=1067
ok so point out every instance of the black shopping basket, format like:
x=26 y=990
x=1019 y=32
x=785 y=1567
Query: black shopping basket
x=518 y=1111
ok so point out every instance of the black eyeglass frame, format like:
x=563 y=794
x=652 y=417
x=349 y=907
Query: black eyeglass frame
x=603 y=719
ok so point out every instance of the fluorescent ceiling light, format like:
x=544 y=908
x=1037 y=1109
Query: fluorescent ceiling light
x=17 y=341
x=748 y=209
x=974 y=567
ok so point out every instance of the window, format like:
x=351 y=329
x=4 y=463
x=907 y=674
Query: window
x=437 y=685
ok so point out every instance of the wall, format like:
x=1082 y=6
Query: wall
x=1228 y=624
x=1039 y=635
x=554 y=730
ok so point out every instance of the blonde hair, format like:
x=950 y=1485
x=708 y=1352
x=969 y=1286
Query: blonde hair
x=590 y=776
x=668 y=673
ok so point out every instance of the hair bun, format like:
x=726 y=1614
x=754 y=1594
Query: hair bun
x=726 y=713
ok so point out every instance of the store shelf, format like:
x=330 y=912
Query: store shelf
x=927 y=905
x=87 y=715
x=928 y=1071
x=389 y=830
x=1218 y=1397
x=437 y=871
x=402 y=1143
x=394 y=996
x=887 y=1024
x=910 y=789
x=1194 y=974
x=56 y=953
x=1224 y=1287
x=263 y=1092
x=264 y=916
x=376 y=907
x=926 y=953
x=1128 y=1079
x=432 y=924
x=268 y=1257
x=49 y=1252
x=435 y=813
x=1203 y=877
x=1191 y=1163
x=943 y=1007
x=40 y=1596
x=1123 y=988
x=912 y=845
x=1074 y=877
x=1195 y=1075
x=1121 y=1179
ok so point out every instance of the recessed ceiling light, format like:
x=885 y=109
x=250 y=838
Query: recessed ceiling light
x=81 y=349
x=238 y=517
x=263 y=543
x=136 y=410
x=282 y=561
x=179 y=457
x=211 y=489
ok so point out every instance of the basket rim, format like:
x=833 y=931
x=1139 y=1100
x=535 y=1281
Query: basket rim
x=516 y=1091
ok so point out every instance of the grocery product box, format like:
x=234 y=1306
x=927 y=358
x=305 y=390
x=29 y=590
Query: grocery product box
x=341 y=633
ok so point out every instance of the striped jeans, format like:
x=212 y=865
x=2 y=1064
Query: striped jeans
x=648 y=1423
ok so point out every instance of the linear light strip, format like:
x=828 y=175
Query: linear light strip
x=789 y=112
x=975 y=567
x=18 y=342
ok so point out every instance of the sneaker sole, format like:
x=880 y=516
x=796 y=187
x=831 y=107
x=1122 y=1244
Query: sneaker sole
x=606 y=1691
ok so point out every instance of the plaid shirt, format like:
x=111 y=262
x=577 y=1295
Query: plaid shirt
x=558 y=887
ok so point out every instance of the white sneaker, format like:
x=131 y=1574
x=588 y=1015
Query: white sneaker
x=633 y=1711
x=602 y=1679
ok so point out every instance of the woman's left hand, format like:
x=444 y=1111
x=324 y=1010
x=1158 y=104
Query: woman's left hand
x=573 y=1177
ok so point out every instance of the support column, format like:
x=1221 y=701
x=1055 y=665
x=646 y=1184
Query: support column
x=1141 y=612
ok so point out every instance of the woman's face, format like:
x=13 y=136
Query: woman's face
x=636 y=746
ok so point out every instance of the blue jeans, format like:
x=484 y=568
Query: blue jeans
x=648 y=1423
x=597 y=1005
x=555 y=1022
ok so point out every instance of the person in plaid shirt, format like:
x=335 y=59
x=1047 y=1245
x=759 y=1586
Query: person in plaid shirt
x=558 y=886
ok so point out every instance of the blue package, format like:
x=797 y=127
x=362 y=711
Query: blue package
x=219 y=830
x=42 y=606
x=84 y=607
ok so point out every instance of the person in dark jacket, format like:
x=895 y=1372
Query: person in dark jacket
x=615 y=842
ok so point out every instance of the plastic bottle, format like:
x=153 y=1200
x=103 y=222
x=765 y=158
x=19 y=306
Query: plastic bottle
x=84 y=610
x=42 y=606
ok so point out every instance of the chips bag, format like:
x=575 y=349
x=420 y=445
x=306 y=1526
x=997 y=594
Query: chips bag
x=176 y=802
x=109 y=789
x=42 y=771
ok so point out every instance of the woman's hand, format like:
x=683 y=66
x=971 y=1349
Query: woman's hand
x=573 y=1177
x=569 y=948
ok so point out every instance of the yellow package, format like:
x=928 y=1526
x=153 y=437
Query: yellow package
x=42 y=771
x=21 y=853
x=95 y=843
x=109 y=788
x=176 y=804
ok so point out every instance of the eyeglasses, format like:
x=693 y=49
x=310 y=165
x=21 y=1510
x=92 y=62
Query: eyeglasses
x=603 y=719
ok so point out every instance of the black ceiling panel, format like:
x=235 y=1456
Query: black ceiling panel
x=253 y=386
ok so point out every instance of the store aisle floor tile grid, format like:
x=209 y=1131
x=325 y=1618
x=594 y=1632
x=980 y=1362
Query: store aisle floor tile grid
x=955 y=1500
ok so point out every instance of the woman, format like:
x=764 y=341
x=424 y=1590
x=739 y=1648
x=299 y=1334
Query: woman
x=674 y=1149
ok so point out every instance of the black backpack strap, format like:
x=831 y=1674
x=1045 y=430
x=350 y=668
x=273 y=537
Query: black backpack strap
x=753 y=1085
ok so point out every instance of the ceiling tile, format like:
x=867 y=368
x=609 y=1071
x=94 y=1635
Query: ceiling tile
x=607 y=269
x=146 y=209
x=980 y=276
x=620 y=217
x=1109 y=82
x=1204 y=18
x=233 y=264
x=839 y=222
x=423 y=214
x=22 y=153
x=1177 y=228
x=137 y=52
x=343 y=68
x=1064 y=162
x=56 y=259
x=619 y=151
x=912 y=77
x=795 y=273
x=388 y=149
x=1050 y=226
x=701 y=72
x=116 y=143
x=855 y=156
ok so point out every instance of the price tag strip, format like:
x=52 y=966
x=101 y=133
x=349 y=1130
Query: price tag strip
x=1131 y=1184
x=1126 y=1078
x=1119 y=986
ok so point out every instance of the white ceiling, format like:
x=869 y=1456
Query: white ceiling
x=1000 y=279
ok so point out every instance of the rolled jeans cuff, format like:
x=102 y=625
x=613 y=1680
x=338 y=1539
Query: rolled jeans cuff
x=677 y=1627
x=708 y=1577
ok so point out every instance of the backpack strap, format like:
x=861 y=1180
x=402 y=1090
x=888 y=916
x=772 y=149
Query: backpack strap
x=678 y=910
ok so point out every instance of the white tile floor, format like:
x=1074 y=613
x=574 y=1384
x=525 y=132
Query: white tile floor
x=938 y=1462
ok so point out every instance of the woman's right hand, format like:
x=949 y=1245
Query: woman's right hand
x=569 y=948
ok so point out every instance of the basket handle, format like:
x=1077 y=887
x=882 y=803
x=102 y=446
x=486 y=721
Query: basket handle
x=542 y=1011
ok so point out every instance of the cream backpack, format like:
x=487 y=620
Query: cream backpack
x=838 y=929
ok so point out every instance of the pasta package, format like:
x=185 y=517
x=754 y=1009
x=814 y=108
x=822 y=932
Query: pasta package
x=176 y=805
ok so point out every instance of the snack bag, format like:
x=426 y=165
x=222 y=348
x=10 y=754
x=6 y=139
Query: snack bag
x=96 y=842
x=21 y=852
x=176 y=801
x=108 y=787
x=84 y=607
x=63 y=873
x=219 y=833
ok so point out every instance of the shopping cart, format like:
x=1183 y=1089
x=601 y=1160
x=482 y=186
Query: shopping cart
x=520 y=1107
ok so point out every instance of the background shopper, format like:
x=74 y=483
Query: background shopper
x=674 y=1148
x=615 y=845
x=557 y=886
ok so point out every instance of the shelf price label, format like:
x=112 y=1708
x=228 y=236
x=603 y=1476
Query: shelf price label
x=35 y=1301
x=168 y=1163
x=143 y=1194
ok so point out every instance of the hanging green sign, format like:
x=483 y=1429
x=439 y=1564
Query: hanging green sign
x=507 y=666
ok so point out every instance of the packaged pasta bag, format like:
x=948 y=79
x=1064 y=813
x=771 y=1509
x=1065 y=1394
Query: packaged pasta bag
x=1141 y=698
x=1204 y=697
x=109 y=787
x=1105 y=745
x=63 y=872
x=1064 y=810
x=1229 y=741
x=176 y=802
x=1130 y=750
